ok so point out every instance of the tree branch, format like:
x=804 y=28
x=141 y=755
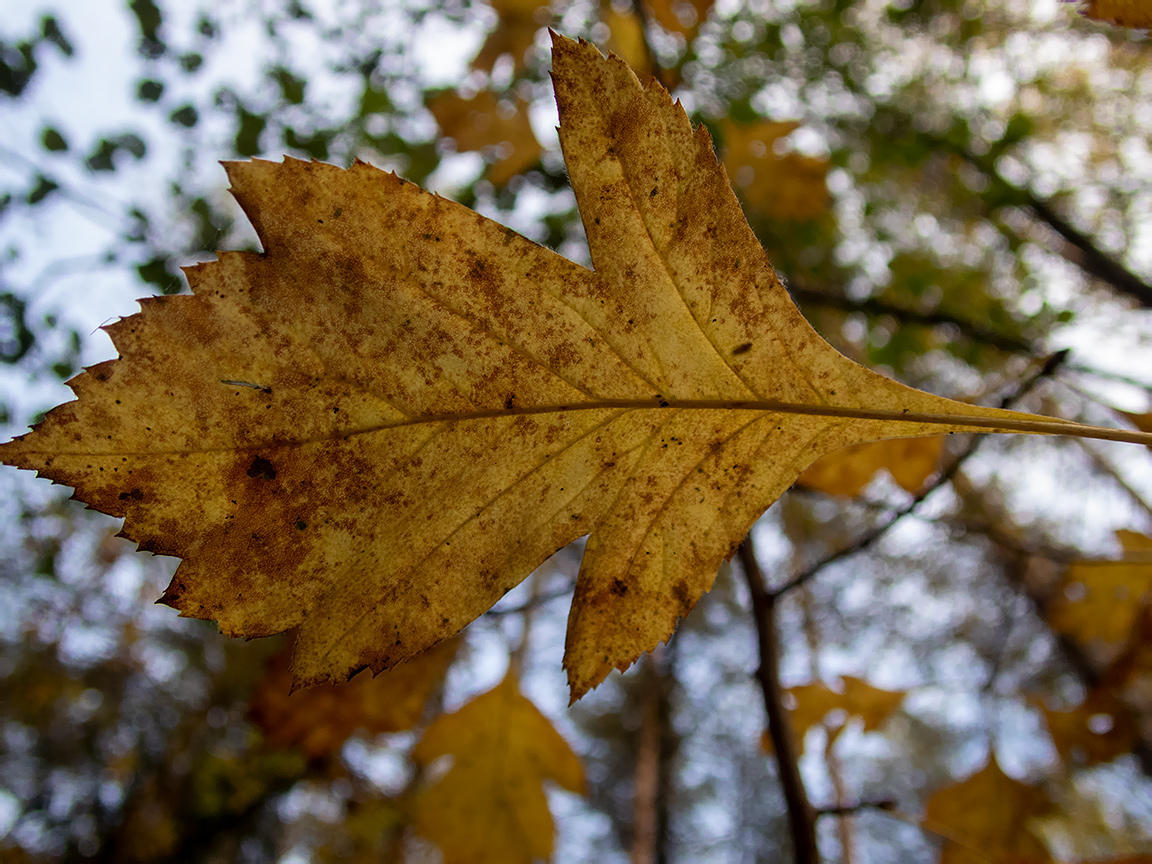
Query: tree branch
x=869 y=539
x=873 y=306
x=801 y=816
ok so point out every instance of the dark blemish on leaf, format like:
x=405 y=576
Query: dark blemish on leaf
x=618 y=588
x=741 y=349
x=337 y=212
x=663 y=404
x=301 y=524
x=262 y=469
x=652 y=194
x=510 y=402
x=134 y=495
x=596 y=220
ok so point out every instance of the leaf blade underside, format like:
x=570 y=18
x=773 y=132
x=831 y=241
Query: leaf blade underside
x=400 y=408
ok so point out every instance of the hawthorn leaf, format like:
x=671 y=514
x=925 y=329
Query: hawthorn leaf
x=379 y=425
x=910 y=461
x=318 y=720
x=985 y=818
x=490 y=805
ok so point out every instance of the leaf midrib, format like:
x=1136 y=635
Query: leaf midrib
x=957 y=422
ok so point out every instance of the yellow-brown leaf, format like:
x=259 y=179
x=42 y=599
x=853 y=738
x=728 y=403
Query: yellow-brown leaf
x=320 y=719
x=986 y=817
x=857 y=698
x=490 y=805
x=484 y=122
x=1100 y=602
x=514 y=33
x=910 y=461
x=381 y=424
x=789 y=186
x=1078 y=742
x=1126 y=13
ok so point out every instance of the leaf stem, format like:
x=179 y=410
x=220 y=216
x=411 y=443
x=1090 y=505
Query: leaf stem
x=801 y=816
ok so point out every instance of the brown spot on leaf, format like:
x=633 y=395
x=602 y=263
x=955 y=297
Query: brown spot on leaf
x=261 y=469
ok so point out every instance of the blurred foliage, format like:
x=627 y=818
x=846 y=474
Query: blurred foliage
x=900 y=162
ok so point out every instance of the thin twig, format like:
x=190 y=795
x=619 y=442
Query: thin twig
x=867 y=540
x=801 y=816
x=532 y=603
x=852 y=809
x=1106 y=467
x=874 y=306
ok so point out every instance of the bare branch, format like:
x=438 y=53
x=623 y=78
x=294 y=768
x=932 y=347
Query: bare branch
x=801 y=816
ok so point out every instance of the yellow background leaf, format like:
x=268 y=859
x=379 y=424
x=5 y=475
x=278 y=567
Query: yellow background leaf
x=1100 y=601
x=986 y=818
x=318 y=720
x=1126 y=13
x=911 y=461
x=490 y=806
x=789 y=186
x=514 y=33
x=1077 y=742
x=857 y=699
x=484 y=121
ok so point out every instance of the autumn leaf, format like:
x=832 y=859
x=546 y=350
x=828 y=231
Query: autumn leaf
x=1098 y=730
x=857 y=698
x=1099 y=602
x=381 y=424
x=1126 y=13
x=484 y=122
x=514 y=34
x=679 y=16
x=788 y=186
x=985 y=818
x=910 y=461
x=490 y=805
x=320 y=719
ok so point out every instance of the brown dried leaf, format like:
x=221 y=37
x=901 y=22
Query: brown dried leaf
x=490 y=805
x=320 y=719
x=910 y=461
x=381 y=424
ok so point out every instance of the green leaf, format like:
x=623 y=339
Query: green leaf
x=291 y=87
x=43 y=188
x=149 y=90
x=186 y=116
x=52 y=141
